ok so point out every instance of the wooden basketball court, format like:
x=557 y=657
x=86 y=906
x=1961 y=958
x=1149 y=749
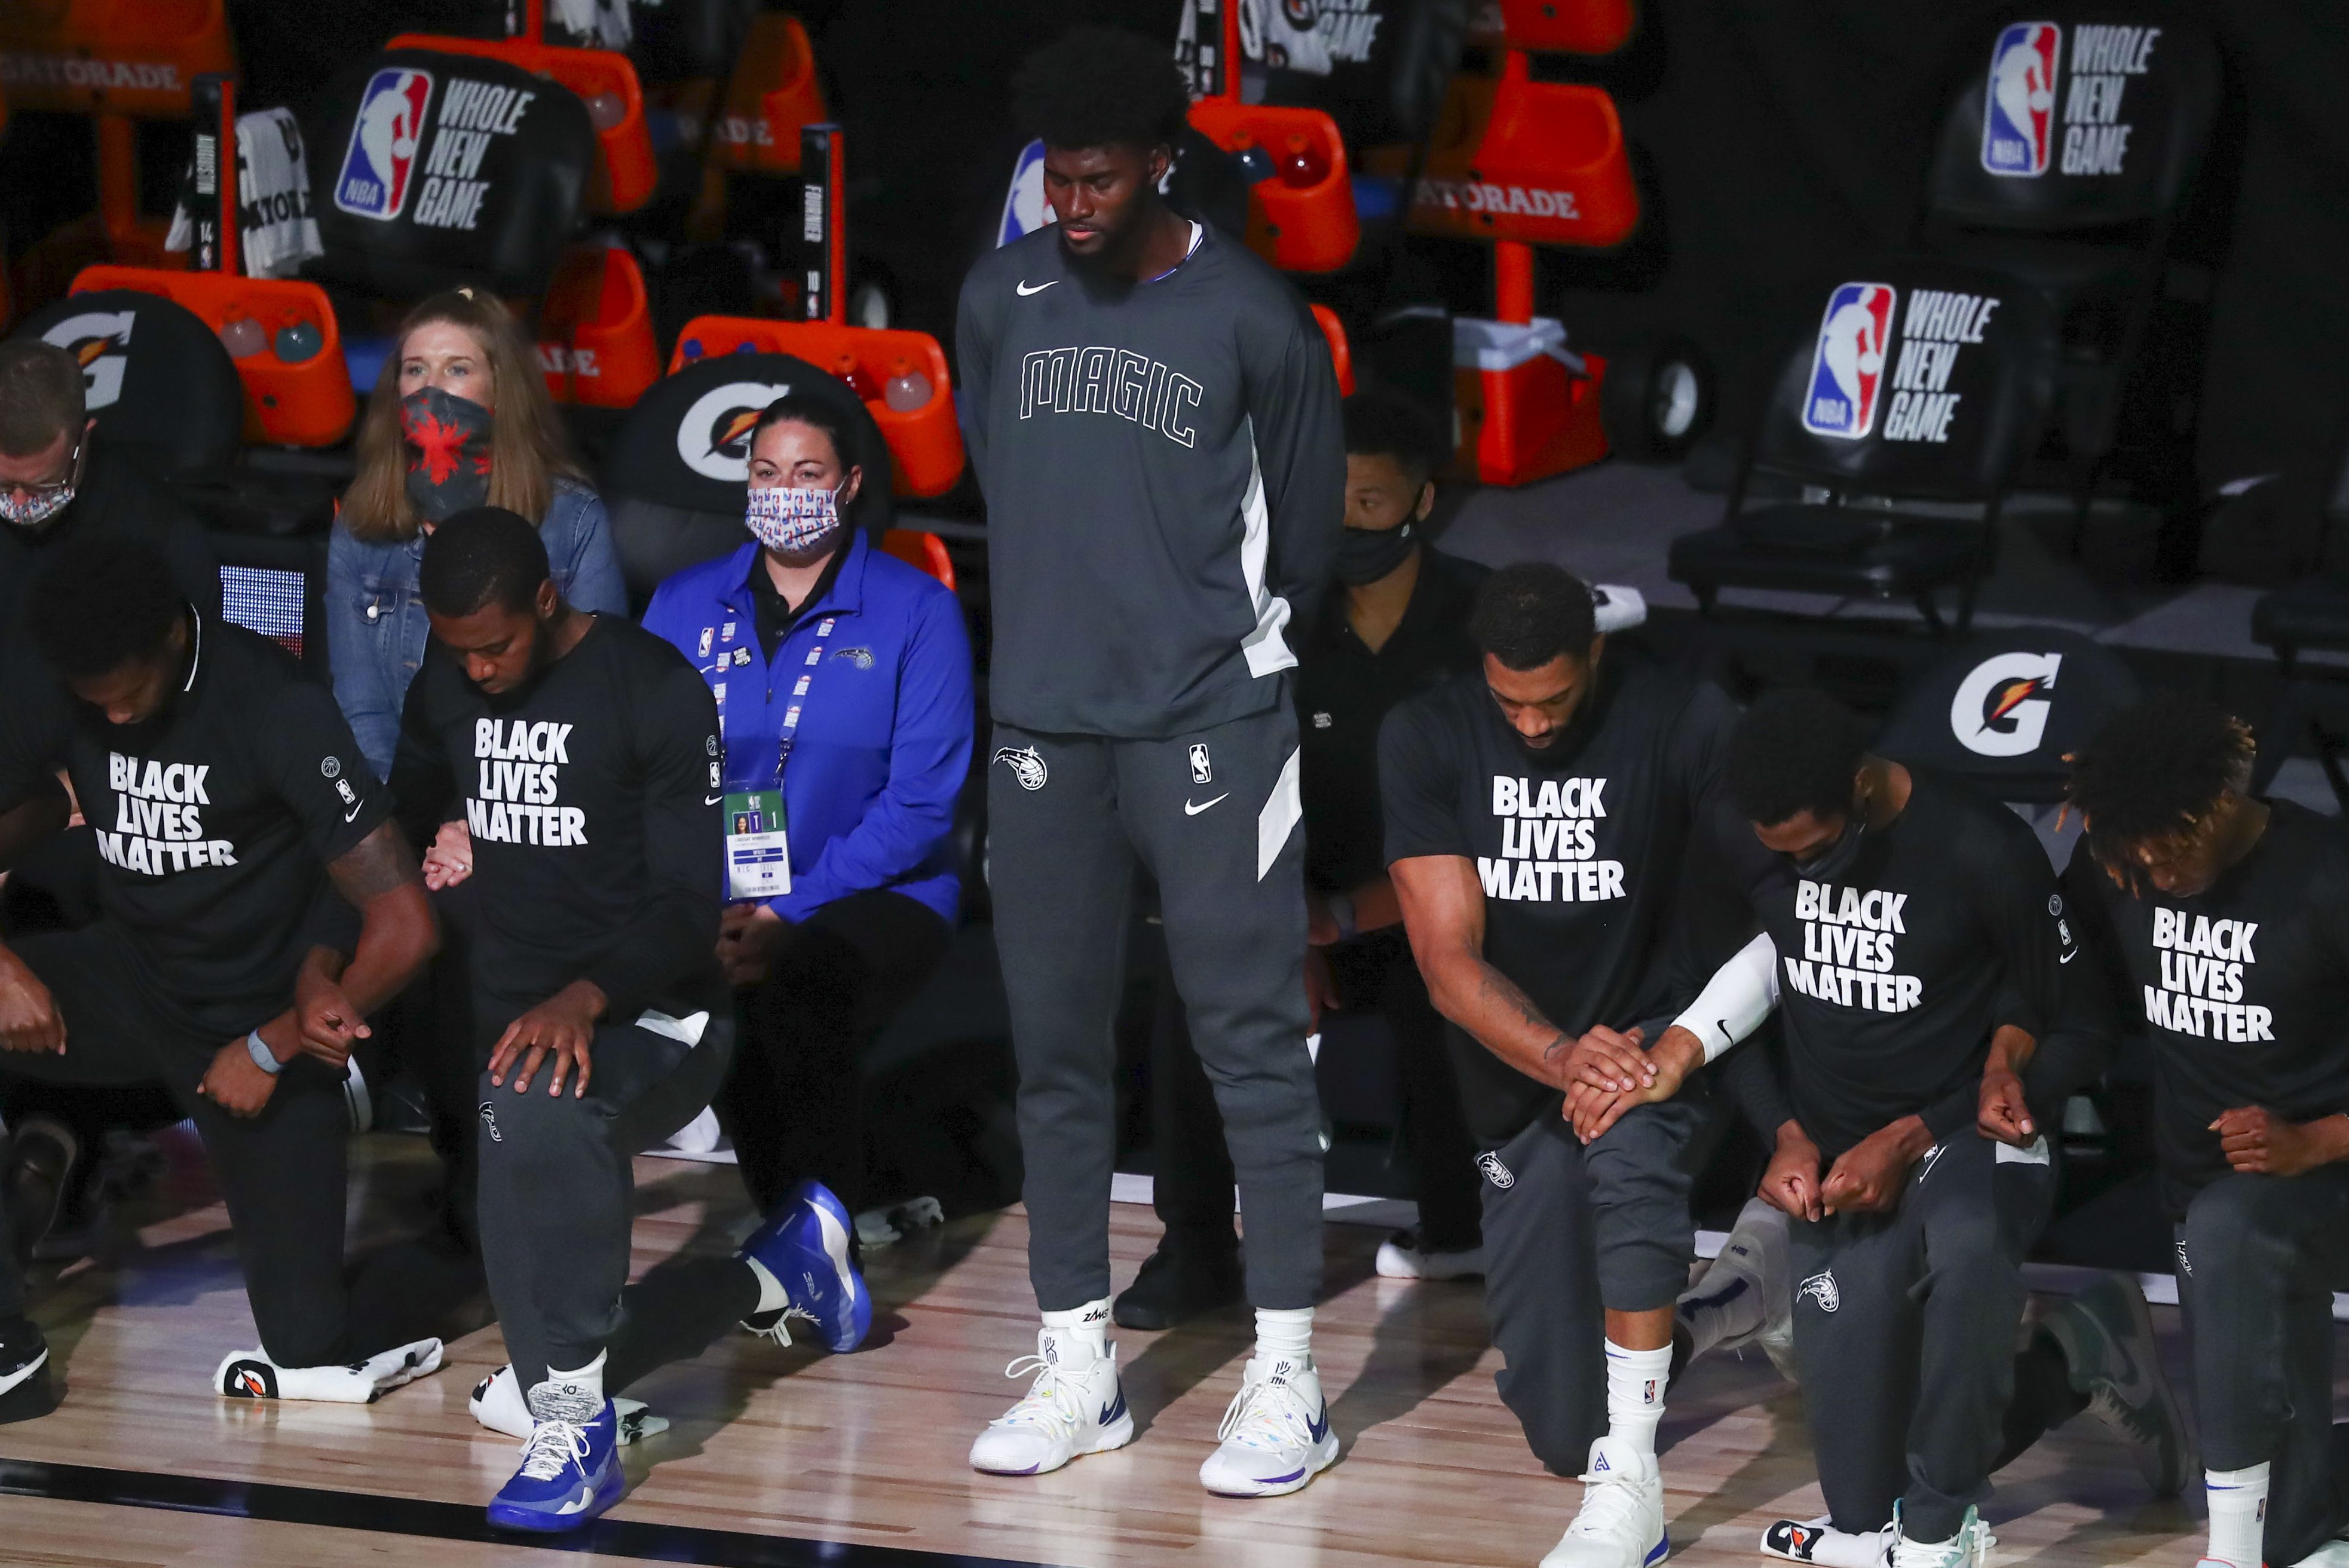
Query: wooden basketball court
x=792 y=1456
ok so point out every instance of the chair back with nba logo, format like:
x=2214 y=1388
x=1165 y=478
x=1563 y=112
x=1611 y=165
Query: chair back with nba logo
x=164 y=390
x=2098 y=119
x=676 y=474
x=429 y=171
x=2006 y=708
x=1914 y=381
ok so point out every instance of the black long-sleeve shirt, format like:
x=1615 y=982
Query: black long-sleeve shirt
x=1893 y=977
x=2243 y=988
x=591 y=794
x=1164 y=477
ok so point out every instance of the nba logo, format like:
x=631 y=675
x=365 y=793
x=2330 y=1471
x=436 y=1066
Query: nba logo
x=1202 y=770
x=381 y=157
x=2019 y=107
x=1855 y=340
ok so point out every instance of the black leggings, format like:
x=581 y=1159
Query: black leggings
x=794 y=1101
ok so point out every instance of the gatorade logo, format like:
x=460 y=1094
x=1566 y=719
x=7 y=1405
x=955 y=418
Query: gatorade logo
x=713 y=439
x=2000 y=709
x=99 y=341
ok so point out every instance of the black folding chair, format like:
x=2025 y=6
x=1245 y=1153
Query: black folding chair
x=2065 y=160
x=2310 y=617
x=1918 y=383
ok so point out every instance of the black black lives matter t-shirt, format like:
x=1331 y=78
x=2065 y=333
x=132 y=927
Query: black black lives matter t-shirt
x=214 y=819
x=1893 y=975
x=1580 y=849
x=593 y=798
x=2243 y=989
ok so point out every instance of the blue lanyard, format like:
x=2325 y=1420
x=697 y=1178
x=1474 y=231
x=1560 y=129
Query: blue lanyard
x=799 y=696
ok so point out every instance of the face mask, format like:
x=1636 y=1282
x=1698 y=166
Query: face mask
x=792 y=521
x=448 y=452
x=1367 y=554
x=38 y=507
x=1830 y=863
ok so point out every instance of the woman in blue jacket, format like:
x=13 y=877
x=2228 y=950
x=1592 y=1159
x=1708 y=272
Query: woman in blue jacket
x=843 y=681
x=459 y=418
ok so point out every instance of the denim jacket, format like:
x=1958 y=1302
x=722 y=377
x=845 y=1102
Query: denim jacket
x=376 y=629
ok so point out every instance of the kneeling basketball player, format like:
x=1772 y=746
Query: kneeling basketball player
x=2225 y=920
x=582 y=753
x=1913 y=941
x=228 y=798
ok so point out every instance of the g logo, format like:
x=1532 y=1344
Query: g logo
x=1999 y=709
x=714 y=438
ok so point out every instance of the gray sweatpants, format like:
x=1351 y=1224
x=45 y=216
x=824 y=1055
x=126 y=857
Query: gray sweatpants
x=1904 y=1327
x=1214 y=817
x=558 y=1201
x=1571 y=1231
x=2259 y=1258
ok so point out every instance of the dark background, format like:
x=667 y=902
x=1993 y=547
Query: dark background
x=1774 y=138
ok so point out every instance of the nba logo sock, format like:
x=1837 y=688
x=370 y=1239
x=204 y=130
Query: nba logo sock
x=2238 y=1512
x=1635 y=1393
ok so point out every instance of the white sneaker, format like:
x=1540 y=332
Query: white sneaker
x=251 y=1374
x=1276 y=1434
x=1818 y=1541
x=2332 y=1554
x=1074 y=1407
x=1621 y=1522
x=1754 y=1254
x=1402 y=1257
x=498 y=1404
x=1969 y=1548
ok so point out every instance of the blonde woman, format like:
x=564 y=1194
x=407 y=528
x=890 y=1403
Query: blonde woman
x=459 y=418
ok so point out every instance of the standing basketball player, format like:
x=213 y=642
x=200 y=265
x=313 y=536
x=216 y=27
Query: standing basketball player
x=1154 y=420
x=581 y=752
x=2228 y=917
x=1913 y=939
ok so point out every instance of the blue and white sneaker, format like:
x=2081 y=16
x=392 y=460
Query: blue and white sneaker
x=1074 y=1407
x=570 y=1467
x=1621 y=1522
x=1276 y=1435
x=804 y=1243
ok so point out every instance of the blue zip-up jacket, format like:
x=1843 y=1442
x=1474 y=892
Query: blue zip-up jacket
x=376 y=627
x=885 y=732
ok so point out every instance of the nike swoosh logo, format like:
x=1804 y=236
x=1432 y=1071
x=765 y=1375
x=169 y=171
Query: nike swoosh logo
x=1319 y=1427
x=2069 y=956
x=352 y=815
x=712 y=800
x=1190 y=811
x=1025 y=291
x=586 y=1495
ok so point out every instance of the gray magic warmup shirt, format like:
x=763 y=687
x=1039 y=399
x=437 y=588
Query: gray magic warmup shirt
x=1164 y=476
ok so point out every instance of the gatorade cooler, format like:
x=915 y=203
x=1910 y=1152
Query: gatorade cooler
x=624 y=174
x=596 y=330
x=1527 y=404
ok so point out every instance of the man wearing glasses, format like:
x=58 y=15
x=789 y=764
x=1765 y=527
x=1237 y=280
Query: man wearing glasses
x=58 y=481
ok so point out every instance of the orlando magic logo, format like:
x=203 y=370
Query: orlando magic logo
x=1821 y=1287
x=490 y=1121
x=1026 y=766
x=1495 y=1172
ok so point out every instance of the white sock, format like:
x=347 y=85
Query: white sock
x=1284 y=1332
x=772 y=1296
x=588 y=1379
x=1724 y=1305
x=2238 y=1515
x=1635 y=1393
x=1087 y=1326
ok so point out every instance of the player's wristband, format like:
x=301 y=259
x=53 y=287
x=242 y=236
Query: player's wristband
x=1734 y=1002
x=262 y=1057
x=1341 y=911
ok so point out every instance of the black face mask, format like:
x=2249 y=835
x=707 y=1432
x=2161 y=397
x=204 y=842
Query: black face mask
x=1831 y=863
x=1367 y=554
x=448 y=452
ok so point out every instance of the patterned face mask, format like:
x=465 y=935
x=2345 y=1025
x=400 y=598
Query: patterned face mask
x=792 y=521
x=41 y=502
x=448 y=453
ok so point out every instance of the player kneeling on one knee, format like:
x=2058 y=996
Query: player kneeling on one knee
x=582 y=753
x=226 y=793
x=1914 y=943
x=2222 y=921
